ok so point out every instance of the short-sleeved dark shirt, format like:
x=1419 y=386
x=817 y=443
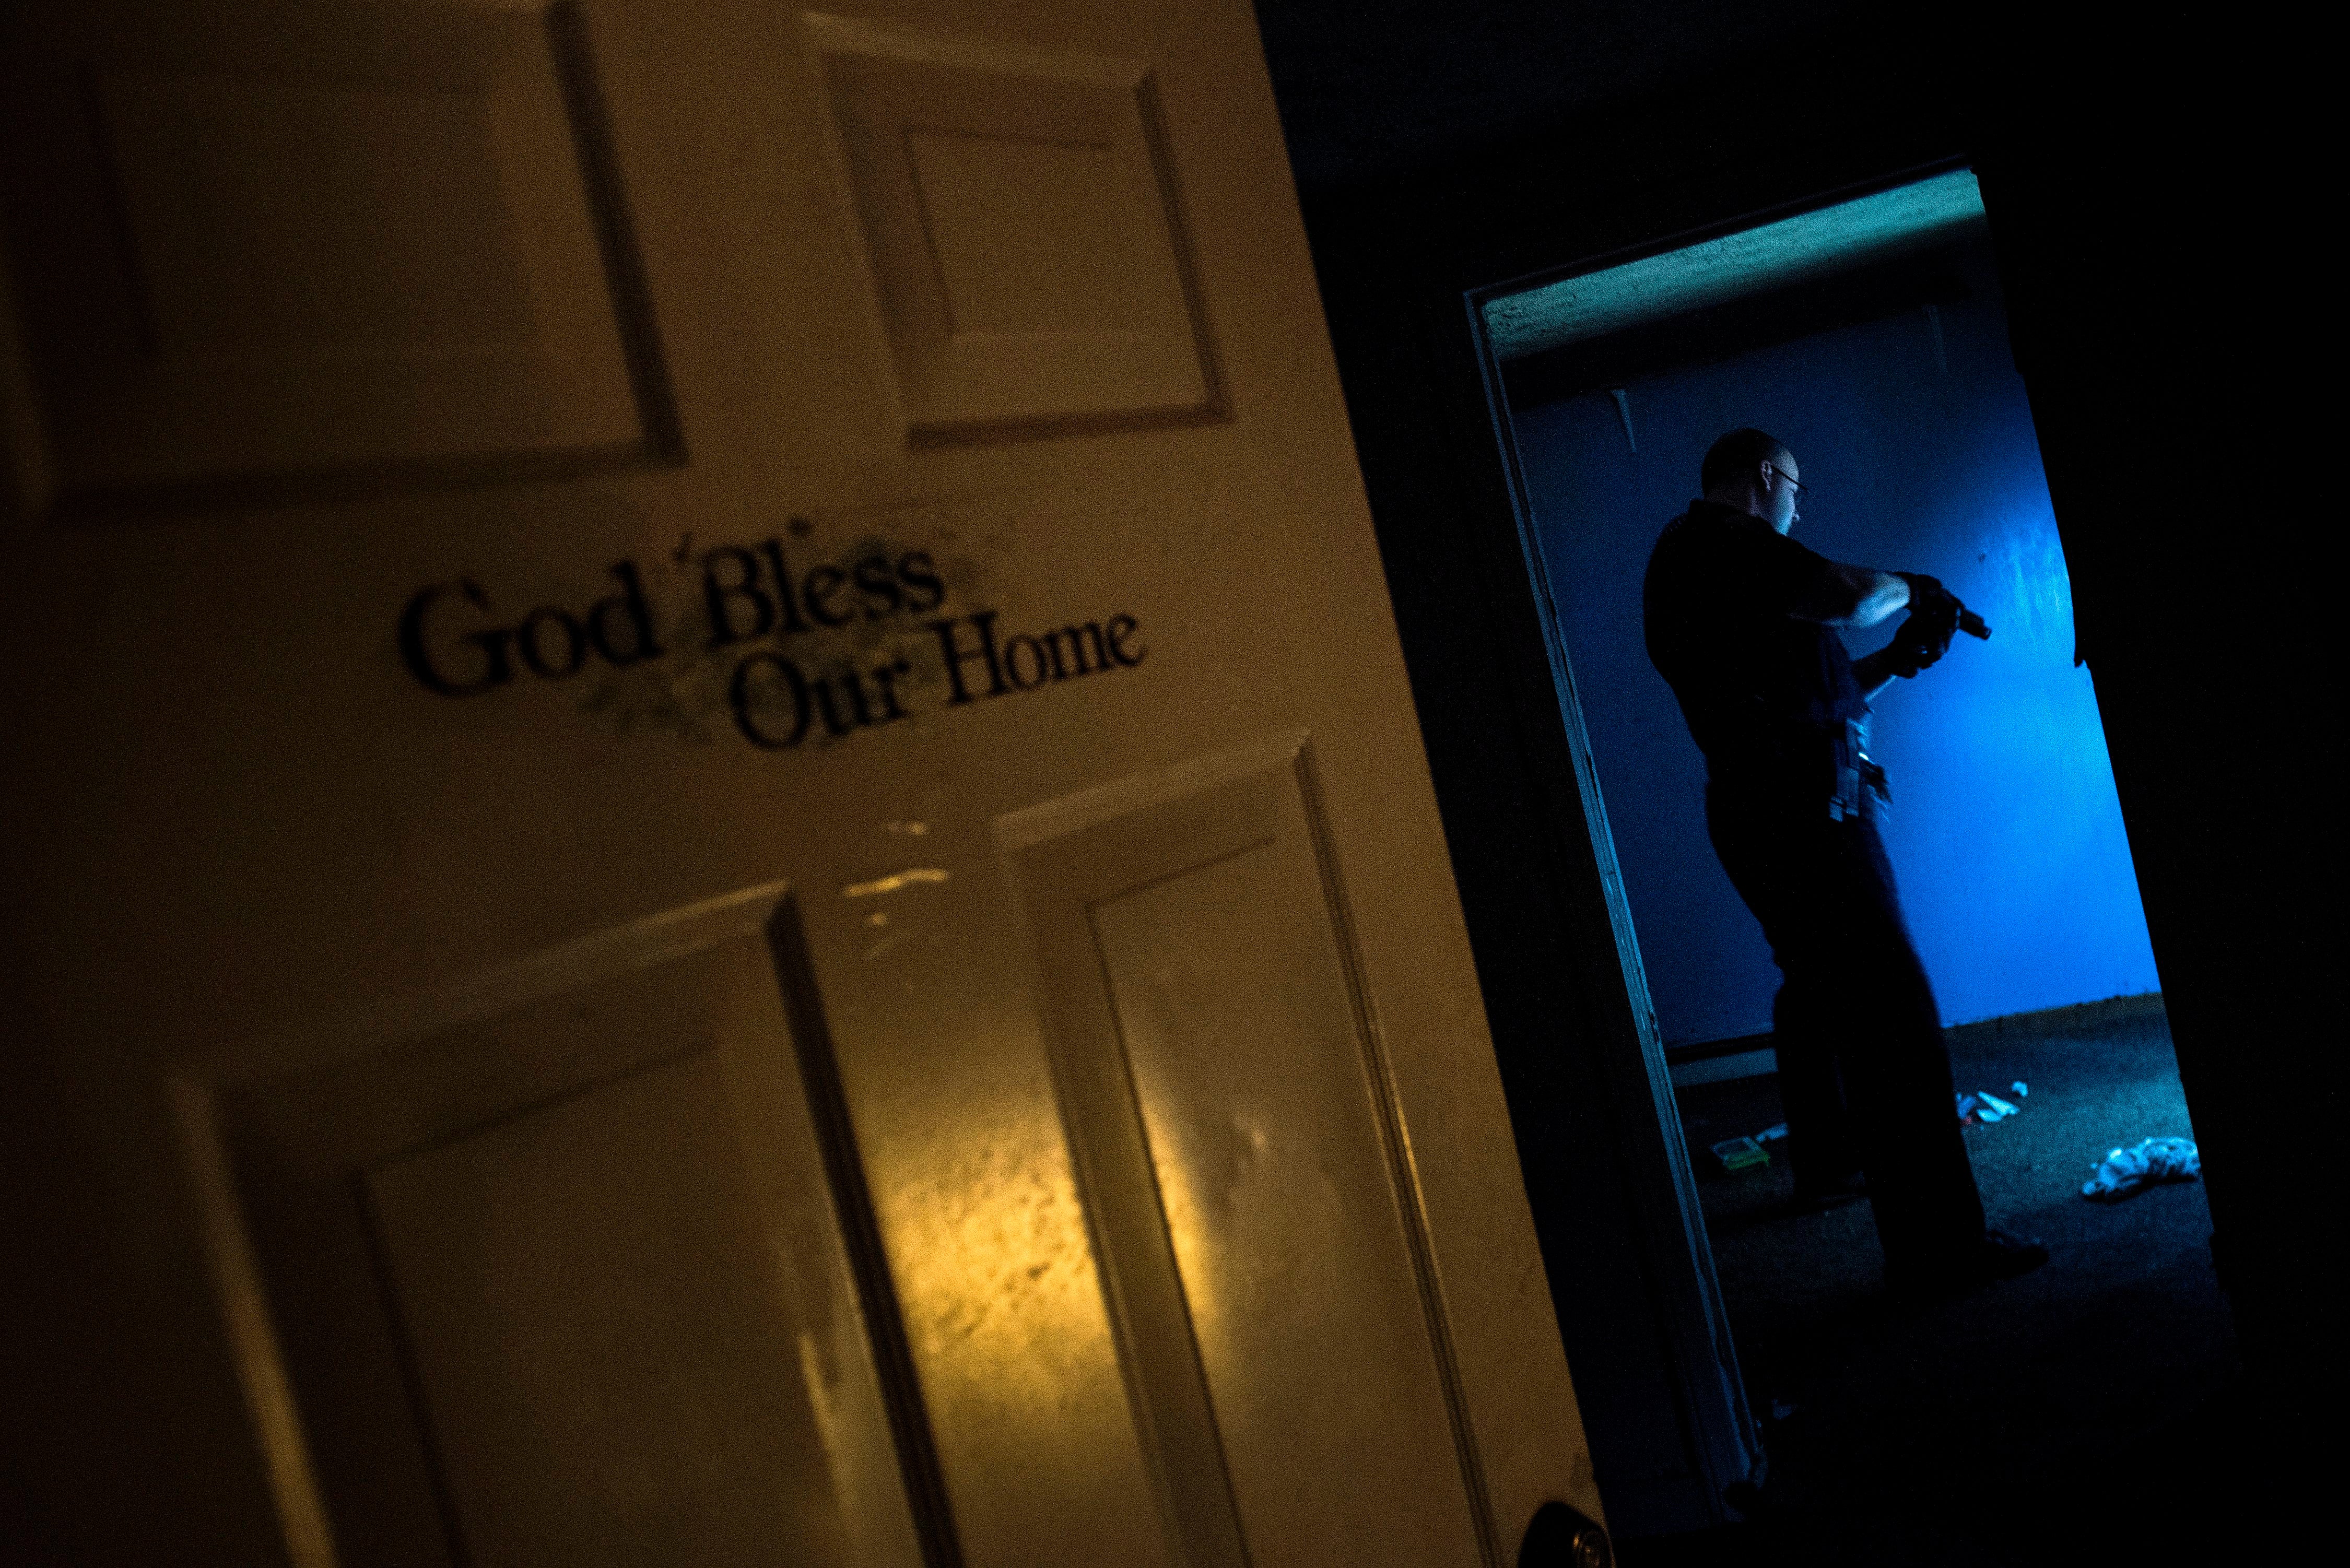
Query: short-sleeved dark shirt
x=1766 y=695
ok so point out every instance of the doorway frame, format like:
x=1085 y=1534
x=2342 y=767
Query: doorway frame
x=1404 y=266
x=2132 y=325
x=1724 y=1432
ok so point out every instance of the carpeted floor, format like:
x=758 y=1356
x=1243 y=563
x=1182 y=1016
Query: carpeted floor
x=2084 y=1407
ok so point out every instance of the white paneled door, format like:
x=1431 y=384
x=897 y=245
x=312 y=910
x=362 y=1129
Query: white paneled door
x=718 y=853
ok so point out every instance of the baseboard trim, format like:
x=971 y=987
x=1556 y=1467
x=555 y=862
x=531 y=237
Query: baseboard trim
x=1750 y=1056
x=1704 y=1050
x=2062 y=1020
x=1759 y=1063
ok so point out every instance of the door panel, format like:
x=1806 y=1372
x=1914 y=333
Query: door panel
x=215 y=298
x=577 y=493
x=1213 y=1052
x=1020 y=221
x=548 y=1270
x=551 y=1267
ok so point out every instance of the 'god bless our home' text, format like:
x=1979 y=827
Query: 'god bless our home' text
x=757 y=609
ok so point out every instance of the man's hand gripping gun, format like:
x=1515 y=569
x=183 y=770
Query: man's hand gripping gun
x=1935 y=616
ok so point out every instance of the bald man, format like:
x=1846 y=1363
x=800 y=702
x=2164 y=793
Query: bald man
x=1741 y=622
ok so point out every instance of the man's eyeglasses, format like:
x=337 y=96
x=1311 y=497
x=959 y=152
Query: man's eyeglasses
x=1794 y=483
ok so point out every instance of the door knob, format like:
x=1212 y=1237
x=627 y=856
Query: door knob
x=1558 y=1537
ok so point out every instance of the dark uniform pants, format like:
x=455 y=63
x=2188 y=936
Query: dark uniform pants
x=1863 y=1072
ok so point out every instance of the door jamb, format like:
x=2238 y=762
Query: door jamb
x=1721 y=1435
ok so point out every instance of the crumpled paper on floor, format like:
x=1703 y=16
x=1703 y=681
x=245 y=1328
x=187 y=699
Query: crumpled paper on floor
x=2134 y=1170
x=1983 y=1106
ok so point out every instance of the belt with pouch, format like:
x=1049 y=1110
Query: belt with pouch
x=1854 y=769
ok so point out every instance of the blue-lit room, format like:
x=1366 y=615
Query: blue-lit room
x=1870 y=338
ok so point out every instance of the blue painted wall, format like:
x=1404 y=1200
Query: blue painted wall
x=2004 y=831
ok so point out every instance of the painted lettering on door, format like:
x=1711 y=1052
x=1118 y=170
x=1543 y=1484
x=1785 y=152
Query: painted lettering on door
x=788 y=634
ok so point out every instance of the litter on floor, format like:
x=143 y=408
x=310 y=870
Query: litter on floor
x=2146 y=1164
x=1982 y=1105
x=1736 y=1154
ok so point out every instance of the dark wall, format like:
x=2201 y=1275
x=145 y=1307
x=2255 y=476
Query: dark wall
x=2004 y=828
x=2160 y=286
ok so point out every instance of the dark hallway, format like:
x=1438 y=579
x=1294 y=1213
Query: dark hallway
x=1444 y=154
x=1930 y=1435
